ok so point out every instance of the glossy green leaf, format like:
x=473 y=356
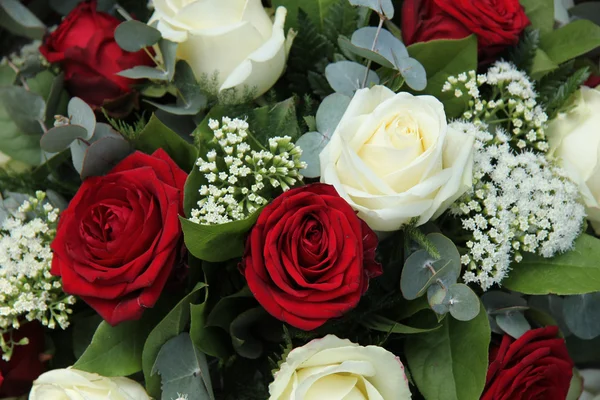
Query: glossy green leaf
x=209 y=339
x=135 y=35
x=574 y=272
x=383 y=324
x=157 y=135
x=450 y=363
x=571 y=41
x=540 y=13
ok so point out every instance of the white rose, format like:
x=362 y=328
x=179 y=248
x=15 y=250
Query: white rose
x=393 y=158
x=235 y=38
x=591 y=384
x=72 y=384
x=574 y=138
x=334 y=368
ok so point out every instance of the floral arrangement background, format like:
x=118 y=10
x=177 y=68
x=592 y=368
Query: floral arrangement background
x=315 y=199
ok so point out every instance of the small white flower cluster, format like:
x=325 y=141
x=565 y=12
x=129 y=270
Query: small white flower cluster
x=519 y=202
x=27 y=289
x=240 y=179
x=508 y=101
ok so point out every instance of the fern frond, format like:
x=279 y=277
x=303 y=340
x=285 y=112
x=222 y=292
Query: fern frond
x=559 y=89
x=523 y=53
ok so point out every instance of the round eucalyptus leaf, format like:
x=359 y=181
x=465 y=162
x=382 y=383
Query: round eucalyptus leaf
x=346 y=77
x=82 y=114
x=59 y=138
x=26 y=109
x=497 y=299
x=513 y=323
x=581 y=315
x=78 y=150
x=416 y=276
x=103 y=155
x=447 y=250
x=330 y=113
x=387 y=46
x=135 y=35
x=413 y=72
x=438 y=297
x=463 y=302
x=103 y=131
x=311 y=143
x=385 y=7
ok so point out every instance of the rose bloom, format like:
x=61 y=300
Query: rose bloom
x=25 y=364
x=394 y=158
x=85 y=46
x=535 y=366
x=233 y=38
x=497 y=23
x=334 y=368
x=574 y=138
x=309 y=257
x=72 y=384
x=117 y=242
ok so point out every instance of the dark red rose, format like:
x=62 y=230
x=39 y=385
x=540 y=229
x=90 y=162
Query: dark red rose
x=309 y=257
x=593 y=81
x=497 y=23
x=117 y=242
x=25 y=365
x=535 y=366
x=85 y=45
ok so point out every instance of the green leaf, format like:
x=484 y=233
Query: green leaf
x=581 y=315
x=25 y=108
x=463 y=303
x=450 y=363
x=561 y=91
x=157 y=135
x=17 y=18
x=59 y=138
x=21 y=147
x=172 y=325
x=217 y=243
x=317 y=11
x=135 y=35
x=7 y=75
x=168 y=51
x=80 y=113
x=540 y=13
x=330 y=112
x=442 y=58
x=513 y=323
x=346 y=77
x=588 y=10
x=523 y=54
x=570 y=41
x=383 y=324
x=83 y=332
x=542 y=65
x=312 y=143
x=116 y=350
x=384 y=7
x=183 y=369
x=574 y=272
x=210 y=340
x=103 y=155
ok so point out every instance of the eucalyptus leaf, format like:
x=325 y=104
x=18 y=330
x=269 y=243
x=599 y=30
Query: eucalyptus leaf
x=413 y=73
x=416 y=275
x=25 y=108
x=311 y=143
x=581 y=315
x=135 y=35
x=438 y=297
x=384 y=7
x=346 y=77
x=80 y=113
x=18 y=19
x=183 y=369
x=387 y=45
x=104 y=155
x=463 y=302
x=513 y=323
x=330 y=113
x=60 y=138
x=144 y=72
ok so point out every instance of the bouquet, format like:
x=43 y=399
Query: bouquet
x=316 y=199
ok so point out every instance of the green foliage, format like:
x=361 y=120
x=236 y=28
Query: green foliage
x=127 y=130
x=383 y=324
x=523 y=54
x=571 y=41
x=581 y=315
x=556 y=89
x=540 y=13
x=342 y=19
x=172 y=325
x=574 y=272
x=442 y=58
x=18 y=19
x=157 y=135
x=450 y=363
x=135 y=35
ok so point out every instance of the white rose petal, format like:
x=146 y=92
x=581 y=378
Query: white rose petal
x=234 y=38
x=337 y=369
x=72 y=384
x=574 y=139
x=393 y=158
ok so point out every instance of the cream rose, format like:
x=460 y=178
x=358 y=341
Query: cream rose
x=574 y=138
x=72 y=384
x=235 y=38
x=393 y=158
x=334 y=368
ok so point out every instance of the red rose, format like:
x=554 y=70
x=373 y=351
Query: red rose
x=25 y=364
x=497 y=23
x=117 y=242
x=85 y=45
x=535 y=366
x=309 y=257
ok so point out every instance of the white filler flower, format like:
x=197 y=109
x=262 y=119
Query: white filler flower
x=72 y=384
x=234 y=38
x=393 y=158
x=334 y=368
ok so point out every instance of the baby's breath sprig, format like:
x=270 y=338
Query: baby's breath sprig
x=240 y=179
x=27 y=289
x=520 y=202
x=505 y=100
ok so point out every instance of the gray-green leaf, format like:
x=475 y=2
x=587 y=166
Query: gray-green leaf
x=346 y=77
x=135 y=35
